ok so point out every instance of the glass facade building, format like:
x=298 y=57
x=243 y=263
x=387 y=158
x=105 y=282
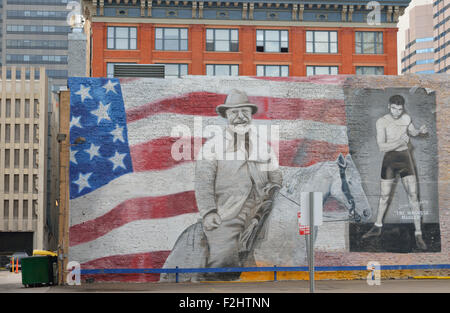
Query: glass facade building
x=34 y=33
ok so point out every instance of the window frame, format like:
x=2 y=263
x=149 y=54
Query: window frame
x=179 y=69
x=424 y=61
x=375 y=43
x=179 y=39
x=367 y=67
x=114 y=37
x=265 y=41
x=214 y=40
x=280 y=66
x=329 y=42
x=230 y=69
x=328 y=66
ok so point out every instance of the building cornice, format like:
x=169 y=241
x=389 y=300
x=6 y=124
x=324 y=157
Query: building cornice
x=281 y=11
x=257 y=3
x=111 y=20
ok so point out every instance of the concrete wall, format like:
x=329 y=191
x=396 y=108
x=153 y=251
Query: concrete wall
x=140 y=197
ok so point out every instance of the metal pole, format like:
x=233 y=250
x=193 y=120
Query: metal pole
x=311 y=242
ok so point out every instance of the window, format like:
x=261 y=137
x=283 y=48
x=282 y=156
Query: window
x=17 y=135
x=37 y=14
x=110 y=68
x=44 y=59
x=175 y=39
x=25 y=209
x=25 y=183
x=321 y=41
x=428 y=50
x=6 y=205
x=16 y=158
x=321 y=70
x=272 y=41
x=369 y=42
x=7 y=133
x=272 y=70
x=425 y=72
x=45 y=29
x=8 y=107
x=16 y=184
x=57 y=73
x=222 y=40
x=15 y=28
x=37 y=44
x=370 y=70
x=51 y=2
x=222 y=70
x=122 y=38
x=7 y=158
x=26 y=158
x=26 y=135
x=175 y=70
x=428 y=61
x=38 y=29
x=425 y=39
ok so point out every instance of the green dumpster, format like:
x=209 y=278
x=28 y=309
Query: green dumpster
x=38 y=270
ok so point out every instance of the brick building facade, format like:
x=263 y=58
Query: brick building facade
x=247 y=38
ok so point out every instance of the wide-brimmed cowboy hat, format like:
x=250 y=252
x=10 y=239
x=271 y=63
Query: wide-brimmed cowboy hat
x=235 y=99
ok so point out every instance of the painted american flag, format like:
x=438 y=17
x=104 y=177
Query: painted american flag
x=129 y=199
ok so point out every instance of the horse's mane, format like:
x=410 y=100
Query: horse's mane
x=303 y=175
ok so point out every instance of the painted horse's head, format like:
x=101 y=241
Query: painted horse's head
x=347 y=189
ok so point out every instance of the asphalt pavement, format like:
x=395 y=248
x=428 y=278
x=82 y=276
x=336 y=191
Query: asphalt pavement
x=12 y=283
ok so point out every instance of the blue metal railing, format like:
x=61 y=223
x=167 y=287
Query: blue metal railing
x=273 y=269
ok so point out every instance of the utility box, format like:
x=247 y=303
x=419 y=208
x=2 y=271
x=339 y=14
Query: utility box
x=39 y=270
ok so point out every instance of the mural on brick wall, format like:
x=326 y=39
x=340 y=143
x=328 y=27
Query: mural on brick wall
x=207 y=172
x=396 y=153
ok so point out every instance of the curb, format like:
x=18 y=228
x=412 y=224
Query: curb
x=431 y=277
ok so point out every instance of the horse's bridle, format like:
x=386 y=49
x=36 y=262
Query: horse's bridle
x=346 y=190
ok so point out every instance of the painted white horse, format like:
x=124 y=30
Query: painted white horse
x=279 y=243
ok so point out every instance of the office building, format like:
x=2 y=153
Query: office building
x=441 y=17
x=24 y=160
x=34 y=33
x=418 y=55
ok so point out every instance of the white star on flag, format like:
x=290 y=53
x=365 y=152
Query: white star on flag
x=72 y=156
x=83 y=92
x=75 y=121
x=102 y=112
x=118 y=134
x=93 y=151
x=82 y=181
x=117 y=160
x=110 y=86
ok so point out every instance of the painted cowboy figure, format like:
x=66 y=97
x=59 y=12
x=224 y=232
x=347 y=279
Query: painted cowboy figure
x=232 y=185
x=393 y=132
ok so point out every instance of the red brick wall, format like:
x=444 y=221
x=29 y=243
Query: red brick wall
x=247 y=57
